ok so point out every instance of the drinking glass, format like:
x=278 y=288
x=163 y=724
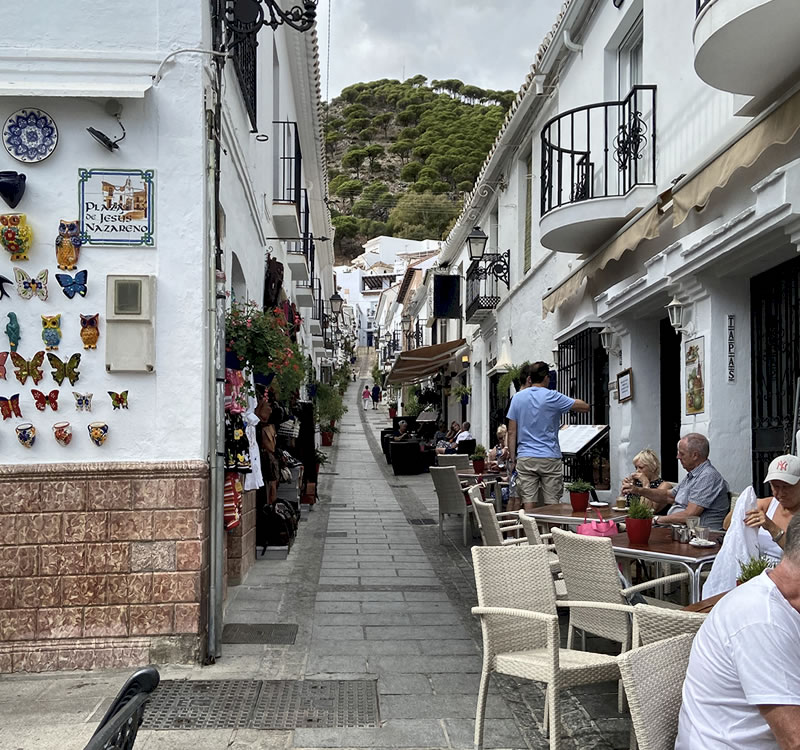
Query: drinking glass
x=692 y=523
x=701 y=533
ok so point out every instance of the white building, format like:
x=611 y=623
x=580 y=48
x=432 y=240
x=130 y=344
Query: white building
x=112 y=553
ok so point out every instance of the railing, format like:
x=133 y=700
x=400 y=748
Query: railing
x=288 y=163
x=304 y=245
x=317 y=309
x=245 y=63
x=599 y=151
x=483 y=282
x=701 y=4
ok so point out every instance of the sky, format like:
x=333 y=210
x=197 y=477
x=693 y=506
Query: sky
x=486 y=43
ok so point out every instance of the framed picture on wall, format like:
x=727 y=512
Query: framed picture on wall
x=625 y=385
x=695 y=362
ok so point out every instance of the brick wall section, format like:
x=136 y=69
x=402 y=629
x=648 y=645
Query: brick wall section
x=242 y=541
x=104 y=565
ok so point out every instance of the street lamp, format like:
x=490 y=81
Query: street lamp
x=245 y=18
x=476 y=243
x=675 y=311
x=336 y=304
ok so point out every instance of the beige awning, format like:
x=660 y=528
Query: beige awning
x=417 y=364
x=646 y=228
x=779 y=127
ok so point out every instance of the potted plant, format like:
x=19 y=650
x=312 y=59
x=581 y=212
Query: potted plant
x=478 y=459
x=321 y=458
x=639 y=523
x=326 y=432
x=755 y=566
x=462 y=392
x=579 y=495
x=392 y=409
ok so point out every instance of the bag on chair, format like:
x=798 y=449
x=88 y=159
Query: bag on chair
x=596 y=528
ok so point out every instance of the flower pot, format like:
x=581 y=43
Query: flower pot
x=232 y=361
x=264 y=379
x=579 y=501
x=12 y=187
x=479 y=465
x=392 y=413
x=327 y=438
x=464 y=400
x=639 y=530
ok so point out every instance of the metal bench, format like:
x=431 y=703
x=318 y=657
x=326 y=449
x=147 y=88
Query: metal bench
x=118 y=728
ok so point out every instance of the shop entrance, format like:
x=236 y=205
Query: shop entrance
x=775 y=362
x=671 y=407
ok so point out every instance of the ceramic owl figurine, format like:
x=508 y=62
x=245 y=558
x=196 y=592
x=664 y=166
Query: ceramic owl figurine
x=13 y=332
x=68 y=244
x=90 y=330
x=15 y=235
x=51 y=331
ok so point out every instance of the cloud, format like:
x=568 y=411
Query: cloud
x=484 y=43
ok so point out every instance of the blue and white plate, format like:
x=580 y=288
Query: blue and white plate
x=30 y=135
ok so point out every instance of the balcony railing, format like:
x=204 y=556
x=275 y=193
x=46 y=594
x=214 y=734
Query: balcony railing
x=599 y=151
x=700 y=4
x=483 y=284
x=244 y=56
x=317 y=309
x=302 y=246
x=288 y=165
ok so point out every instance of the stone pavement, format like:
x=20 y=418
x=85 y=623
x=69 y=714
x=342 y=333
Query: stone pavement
x=374 y=598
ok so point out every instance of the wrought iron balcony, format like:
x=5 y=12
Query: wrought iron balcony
x=288 y=178
x=483 y=284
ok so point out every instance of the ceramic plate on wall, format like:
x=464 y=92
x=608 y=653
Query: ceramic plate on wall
x=30 y=135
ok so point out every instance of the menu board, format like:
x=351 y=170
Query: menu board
x=576 y=438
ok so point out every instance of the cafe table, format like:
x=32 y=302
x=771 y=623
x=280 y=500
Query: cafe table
x=562 y=514
x=661 y=547
x=705 y=605
x=492 y=479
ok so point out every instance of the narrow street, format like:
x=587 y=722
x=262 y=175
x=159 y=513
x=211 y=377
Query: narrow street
x=374 y=598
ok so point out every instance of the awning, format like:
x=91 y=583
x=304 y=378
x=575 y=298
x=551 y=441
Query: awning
x=779 y=127
x=417 y=364
x=646 y=228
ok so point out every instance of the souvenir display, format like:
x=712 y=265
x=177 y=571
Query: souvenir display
x=26 y=368
x=12 y=187
x=98 y=432
x=28 y=287
x=90 y=330
x=30 y=135
x=43 y=399
x=232 y=501
x=72 y=286
x=3 y=282
x=119 y=400
x=68 y=244
x=3 y=358
x=26 y=434
x=62 y=431
x=83 y=401
x=10 y=407
x=51 y=331
x=68 y=369
x=237 y=446
x=16 y=235
x=12 y=331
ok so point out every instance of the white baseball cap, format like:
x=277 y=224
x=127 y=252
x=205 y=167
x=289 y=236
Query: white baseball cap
x=785 y=469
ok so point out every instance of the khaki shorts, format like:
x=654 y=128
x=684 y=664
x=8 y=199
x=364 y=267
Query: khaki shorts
x=540 y=481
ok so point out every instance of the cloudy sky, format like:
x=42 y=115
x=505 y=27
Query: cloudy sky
x=486 y=43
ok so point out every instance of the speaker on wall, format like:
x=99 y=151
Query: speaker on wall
x=446 y=296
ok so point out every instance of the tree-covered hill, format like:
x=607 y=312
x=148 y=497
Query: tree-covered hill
x=401 y=155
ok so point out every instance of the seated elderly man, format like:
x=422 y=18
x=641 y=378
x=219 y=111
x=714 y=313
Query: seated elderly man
x=702 y=492
x=402 y=431
x=742 y=687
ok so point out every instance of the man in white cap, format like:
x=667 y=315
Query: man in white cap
x=742 y=686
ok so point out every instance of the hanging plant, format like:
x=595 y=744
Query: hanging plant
x=507 y=379
x=461 y=391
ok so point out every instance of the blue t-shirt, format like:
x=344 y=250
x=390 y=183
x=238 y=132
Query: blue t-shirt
x=537 y=412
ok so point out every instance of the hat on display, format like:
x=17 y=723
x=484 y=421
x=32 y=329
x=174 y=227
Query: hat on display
x=784 y=469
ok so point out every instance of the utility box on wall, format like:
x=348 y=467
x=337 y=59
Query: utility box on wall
x=130 y=323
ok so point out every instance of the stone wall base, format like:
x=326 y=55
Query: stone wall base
x=242 y=542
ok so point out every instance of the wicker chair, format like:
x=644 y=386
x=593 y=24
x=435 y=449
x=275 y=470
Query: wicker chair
x=531 y=529
x=517 y=607
x=591 y=574
x=459 y=460
x=450 y=495
x=492 y=525
x=652 y=624
x=653 y=677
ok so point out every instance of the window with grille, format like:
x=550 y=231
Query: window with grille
x=528 y=210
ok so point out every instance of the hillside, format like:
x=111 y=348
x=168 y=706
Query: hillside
x=401 y=155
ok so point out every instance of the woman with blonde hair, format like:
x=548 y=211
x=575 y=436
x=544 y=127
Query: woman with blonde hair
x=647 y=474
x=498 y=455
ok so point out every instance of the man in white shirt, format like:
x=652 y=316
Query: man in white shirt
x=742 y=687
x=465 y=434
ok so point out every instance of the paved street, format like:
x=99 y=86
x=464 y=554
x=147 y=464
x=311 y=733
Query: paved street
x=374 y=598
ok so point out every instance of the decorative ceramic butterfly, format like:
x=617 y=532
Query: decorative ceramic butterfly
x=83 y=401
x=119 y=400
x=71 y=286
x=9 y=406
x=68 y=369
x=3 y=358
x=25 y=368
x=27 y=287
x=43 y=399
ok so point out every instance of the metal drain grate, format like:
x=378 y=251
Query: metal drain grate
x=272 y=633
x=330 y=534
x=422 y=521
x=267 y=704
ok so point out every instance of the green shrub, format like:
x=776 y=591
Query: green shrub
x=638 y=508
x=479 y=453
x=579 y=485
x=755 y=566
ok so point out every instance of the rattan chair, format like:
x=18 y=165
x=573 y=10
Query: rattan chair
x=653 y=677
x=492 y=525
x=590 y=573
x=459 y=460
x=517 y=607
x=450 y=495
x=652 y=624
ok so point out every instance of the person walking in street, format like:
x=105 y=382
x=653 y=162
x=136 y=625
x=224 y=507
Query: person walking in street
x=534 y=418
x=365 y=397
x=376 y=395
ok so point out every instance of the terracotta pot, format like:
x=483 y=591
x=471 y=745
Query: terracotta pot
x=327 y=438
x=579 y=501
x=639 y=530
x=479 y=465
x=392 y=413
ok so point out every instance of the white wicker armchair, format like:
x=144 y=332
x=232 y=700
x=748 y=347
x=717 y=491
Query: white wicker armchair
x=651 y=624
x=653 y=678
x=450 y=495
x=459 y=460
x=492 y=525
x=517 y=607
